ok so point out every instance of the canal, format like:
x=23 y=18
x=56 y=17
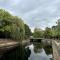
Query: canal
x=40 y=51
x=33 y=51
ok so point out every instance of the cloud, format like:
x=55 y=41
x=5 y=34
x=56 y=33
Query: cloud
x=36 y=13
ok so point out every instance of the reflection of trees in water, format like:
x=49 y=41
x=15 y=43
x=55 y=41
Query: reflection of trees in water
x=48 y=49
x=18 y=53
x=28 y=52
x=37 y=47
x=22 y=53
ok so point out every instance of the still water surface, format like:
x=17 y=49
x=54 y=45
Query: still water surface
x=40 y=51
x=34 y=51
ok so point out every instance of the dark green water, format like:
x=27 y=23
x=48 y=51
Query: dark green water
x=34 y=51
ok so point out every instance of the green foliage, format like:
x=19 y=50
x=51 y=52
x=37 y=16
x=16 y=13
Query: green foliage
x=53 y=32
x=28 y=32
x=12 y=25
x=47 y=33
x=58 y=27
x=56 y=30
x=38 y=33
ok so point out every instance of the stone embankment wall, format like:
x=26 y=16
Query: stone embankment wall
x=56 y=50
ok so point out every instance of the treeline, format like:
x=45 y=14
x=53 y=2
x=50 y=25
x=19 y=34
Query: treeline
x=53 y=32
x=13 y=27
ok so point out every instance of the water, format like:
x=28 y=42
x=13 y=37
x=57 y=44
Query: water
x=34 y=51
x=40 y=51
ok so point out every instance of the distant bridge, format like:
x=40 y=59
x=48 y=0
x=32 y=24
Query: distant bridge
x=55 y=46
x=40 y=39
x=6 y=45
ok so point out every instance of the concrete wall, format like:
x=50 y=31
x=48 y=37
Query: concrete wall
x=56 y=50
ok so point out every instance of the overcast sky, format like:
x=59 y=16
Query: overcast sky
x=36 y=13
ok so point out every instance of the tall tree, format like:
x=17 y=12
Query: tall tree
x=28 y=32
x=11 y=26
x=38 y=33
x=58 y=28
x=47 y=33
x=54 y=31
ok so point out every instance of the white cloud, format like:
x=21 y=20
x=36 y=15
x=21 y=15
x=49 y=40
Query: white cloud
x=40 y=13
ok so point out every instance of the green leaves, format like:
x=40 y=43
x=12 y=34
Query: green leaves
x=12 y=25
x=47 y=32
x=38 y=33
x=28 y=32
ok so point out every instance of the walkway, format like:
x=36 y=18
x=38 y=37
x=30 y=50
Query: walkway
x=6 y=45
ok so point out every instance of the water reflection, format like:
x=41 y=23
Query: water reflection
x=37 y=47
x=35 y=51
x=48 y=49
x=18 y=53
x=40 y=52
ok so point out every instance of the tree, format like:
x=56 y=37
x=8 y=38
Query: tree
x=28 y=32
x=54 y=31
x=58 y=29
x=38 y=33
x=47 y=33
x=11 y=26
